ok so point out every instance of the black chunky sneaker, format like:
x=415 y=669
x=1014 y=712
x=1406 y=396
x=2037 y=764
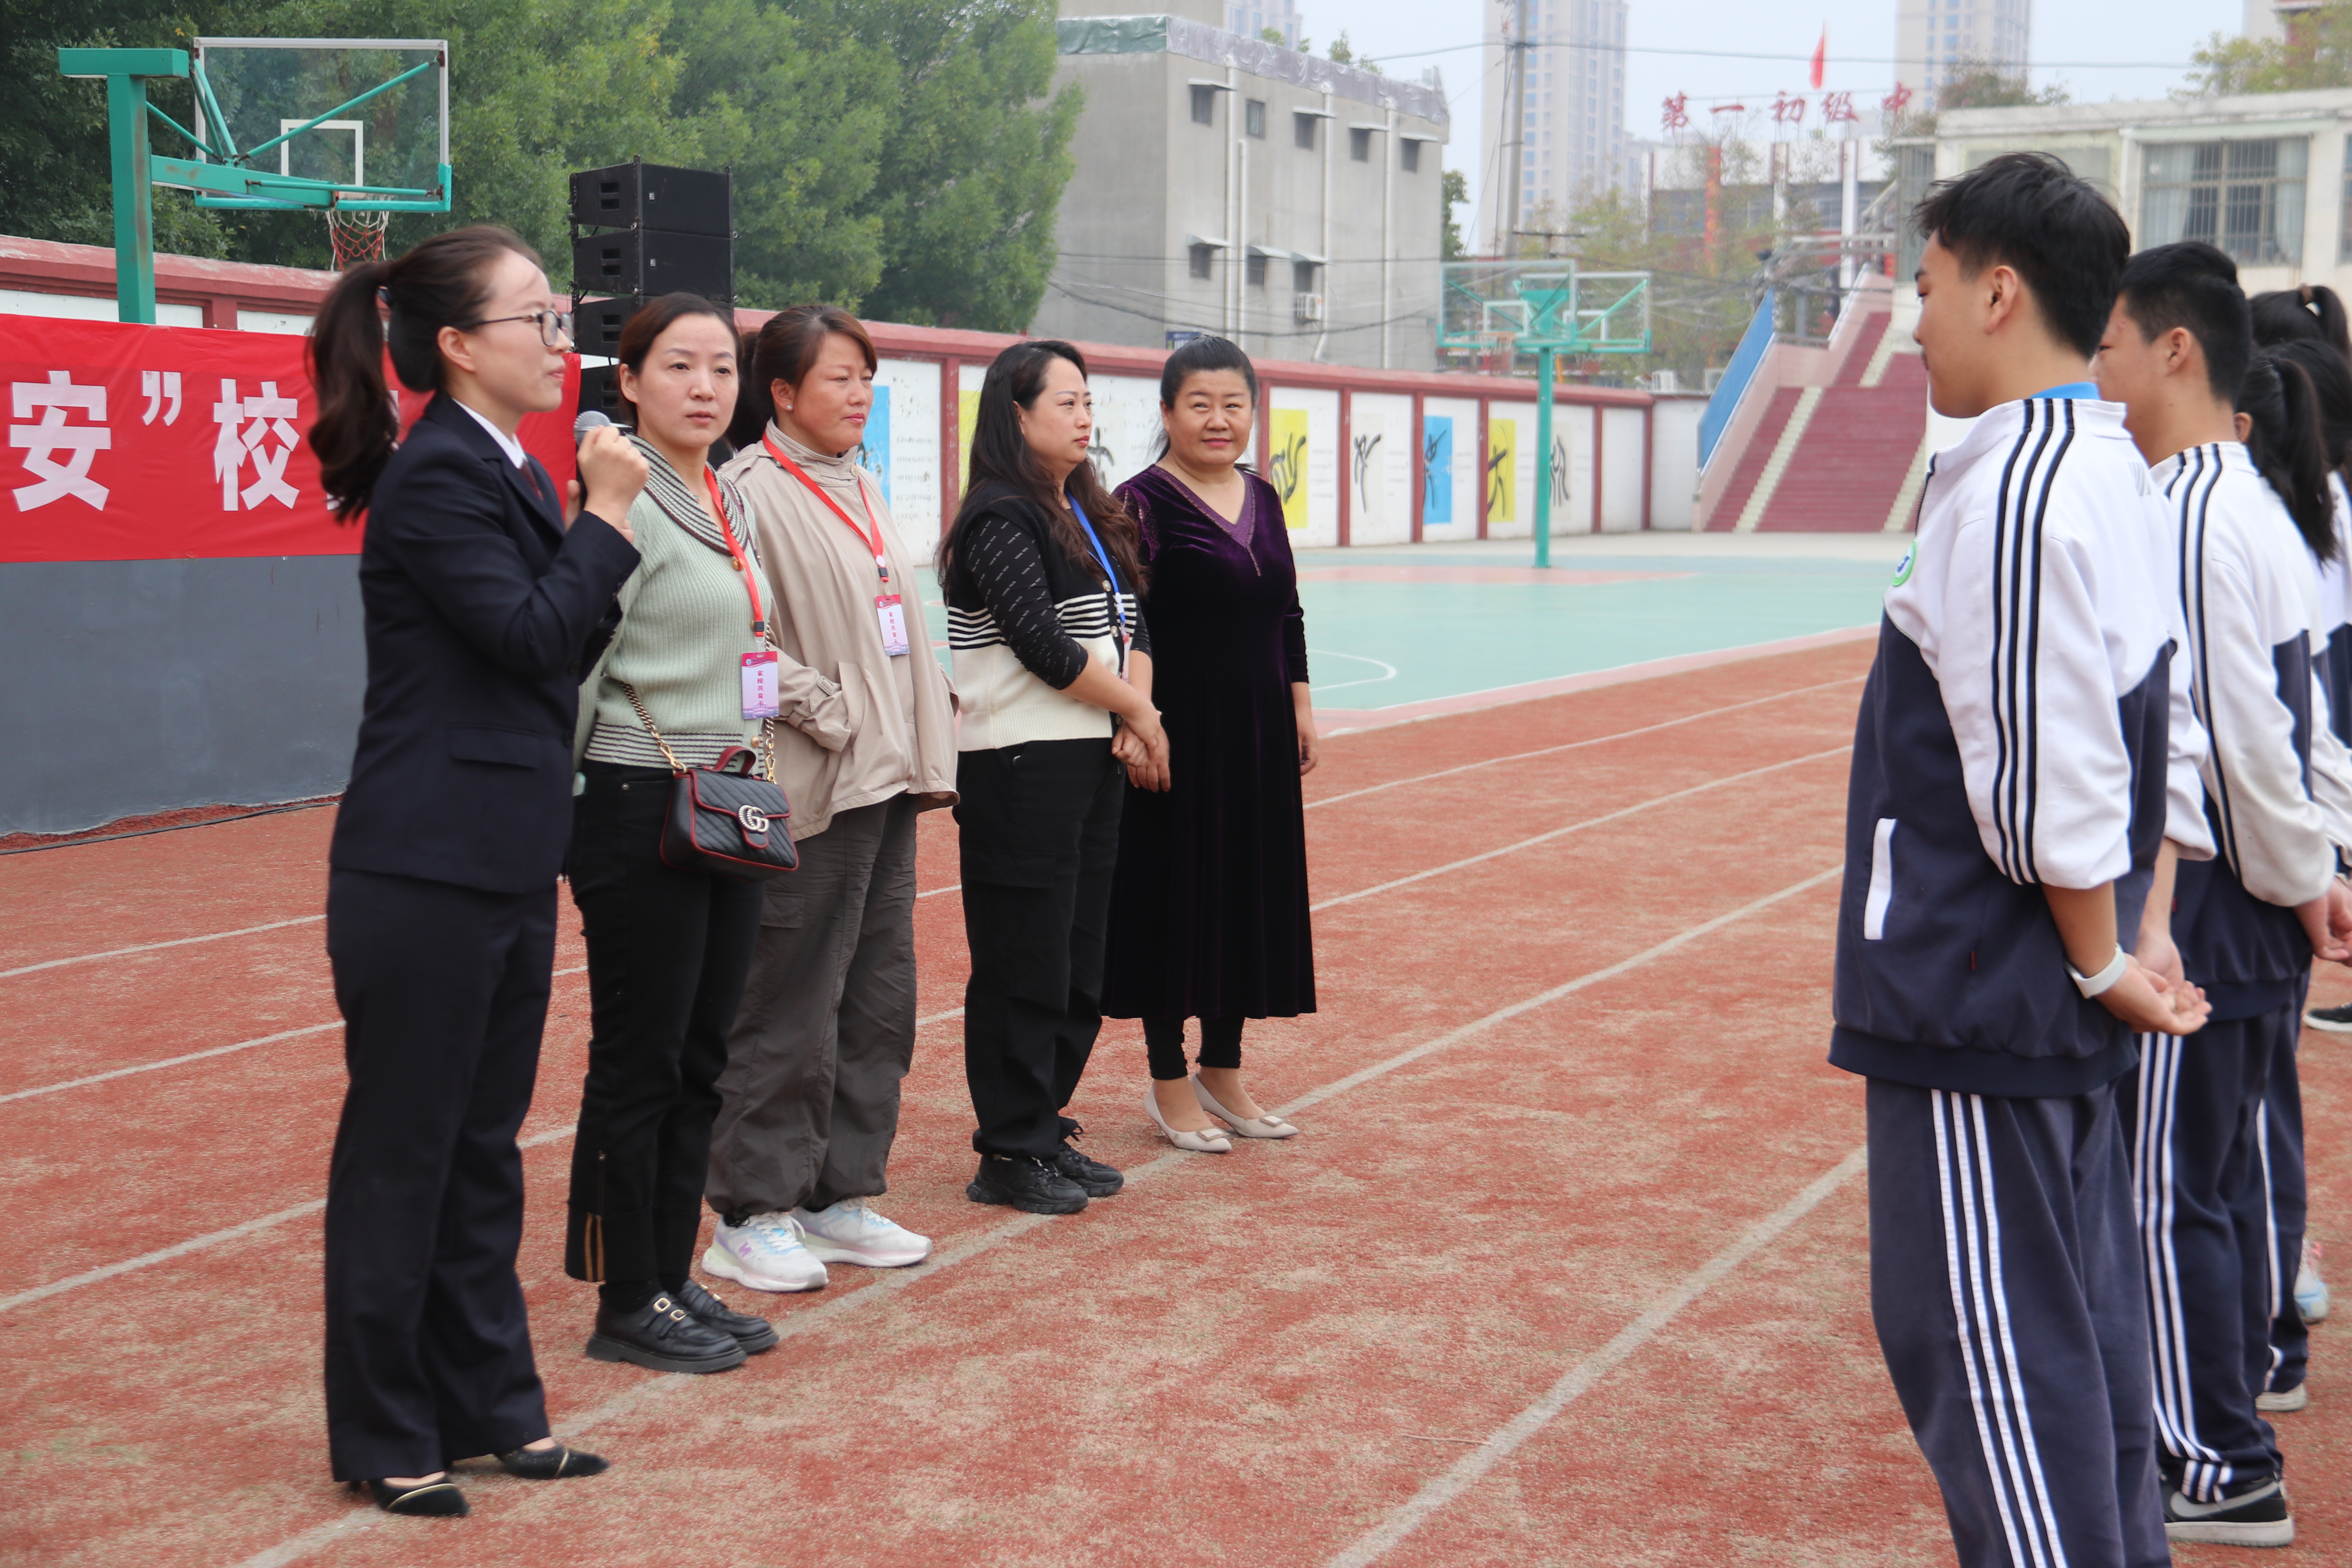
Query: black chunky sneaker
x=1026 y=1183
x=663 y=1336
x=2256 y=1515
x=2330 y=1020
x=754 y=1334
x=1094 y=1178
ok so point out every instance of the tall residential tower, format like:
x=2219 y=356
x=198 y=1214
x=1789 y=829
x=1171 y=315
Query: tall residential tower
x=1932 y=38
x=1573 y=140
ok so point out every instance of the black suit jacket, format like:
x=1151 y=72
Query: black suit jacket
x=482 y=614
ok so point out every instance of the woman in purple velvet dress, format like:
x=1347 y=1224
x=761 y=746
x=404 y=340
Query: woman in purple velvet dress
x=1209 y=909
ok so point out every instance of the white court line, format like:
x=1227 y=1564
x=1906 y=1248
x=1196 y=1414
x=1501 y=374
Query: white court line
x=1579 y=1379
x=1327 y=903
x=888 y=1285
x=1577 y=827
x=1572 y=745
x=158 y=946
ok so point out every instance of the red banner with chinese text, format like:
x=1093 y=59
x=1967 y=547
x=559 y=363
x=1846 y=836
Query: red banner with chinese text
x=129 y=443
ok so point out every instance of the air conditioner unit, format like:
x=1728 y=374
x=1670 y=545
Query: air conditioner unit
x=1307 y=306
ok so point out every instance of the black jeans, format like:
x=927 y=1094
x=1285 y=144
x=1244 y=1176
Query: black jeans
x=444 y=992
x=1039 y=838
x=667 y=953
x=1163 y=1045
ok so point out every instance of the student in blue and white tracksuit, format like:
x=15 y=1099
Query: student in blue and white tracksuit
x=2247 y=922
x=2024 y=776
x=2294 y=1286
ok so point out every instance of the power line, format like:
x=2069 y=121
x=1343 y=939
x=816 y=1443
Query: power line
x=1750 y=55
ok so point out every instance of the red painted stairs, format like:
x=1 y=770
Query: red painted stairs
x=1849 y=465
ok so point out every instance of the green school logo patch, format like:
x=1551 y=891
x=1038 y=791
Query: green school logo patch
x=1903 y=571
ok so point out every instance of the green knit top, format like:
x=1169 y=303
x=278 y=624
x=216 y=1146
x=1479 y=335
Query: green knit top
x=685 y=624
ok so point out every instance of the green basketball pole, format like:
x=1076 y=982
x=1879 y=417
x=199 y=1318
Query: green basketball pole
x=1544 y=370
x=126 y=73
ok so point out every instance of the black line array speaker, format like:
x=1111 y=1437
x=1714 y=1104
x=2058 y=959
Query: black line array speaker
x=648 y=195
x=600 y=388
x=652 y=261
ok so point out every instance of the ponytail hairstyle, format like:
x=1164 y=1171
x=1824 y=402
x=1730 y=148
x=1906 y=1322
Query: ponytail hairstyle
x=1001 y=455
x=401 y=305
x=2310 y=313
x=2331 y=379
x=785 y=350
x=2287 y=447
x=1199 y=357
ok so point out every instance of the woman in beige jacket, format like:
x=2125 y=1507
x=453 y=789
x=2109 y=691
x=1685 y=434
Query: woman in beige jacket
x=866 y=740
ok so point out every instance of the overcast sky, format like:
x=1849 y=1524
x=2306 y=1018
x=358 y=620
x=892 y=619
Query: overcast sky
x=2078 y=39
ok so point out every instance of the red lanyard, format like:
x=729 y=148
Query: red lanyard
x=872 y=543
x=726 y=533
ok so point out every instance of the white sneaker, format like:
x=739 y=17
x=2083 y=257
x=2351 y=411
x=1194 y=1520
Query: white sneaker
x=765 y=1252
x=849 y=1232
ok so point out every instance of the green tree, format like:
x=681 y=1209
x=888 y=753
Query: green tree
x=2316 y=52
x=1342 y=52
x=1453 y=192
x=971 y=176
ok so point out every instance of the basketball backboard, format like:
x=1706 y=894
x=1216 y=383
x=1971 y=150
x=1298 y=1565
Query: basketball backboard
x=366 y=119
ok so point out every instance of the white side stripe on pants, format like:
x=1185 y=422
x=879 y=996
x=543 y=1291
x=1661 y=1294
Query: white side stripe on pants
x=1981 y=1311
x=2203 y=1474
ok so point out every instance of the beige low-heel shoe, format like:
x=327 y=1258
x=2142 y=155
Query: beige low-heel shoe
x=1209 y=1141
x=1266 y=1126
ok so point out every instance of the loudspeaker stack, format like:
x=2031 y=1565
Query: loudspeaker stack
x=640 y=230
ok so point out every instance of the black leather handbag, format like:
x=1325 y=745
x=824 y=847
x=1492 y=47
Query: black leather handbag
x=725 y=818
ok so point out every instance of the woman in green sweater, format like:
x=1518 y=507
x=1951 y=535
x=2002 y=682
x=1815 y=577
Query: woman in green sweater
x=667 y=949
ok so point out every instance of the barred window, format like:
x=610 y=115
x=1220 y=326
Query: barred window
x=2245 y=196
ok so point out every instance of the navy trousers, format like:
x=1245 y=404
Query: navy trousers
x=2011 y=1309
x=2282 y=1146
x=2197 y=1109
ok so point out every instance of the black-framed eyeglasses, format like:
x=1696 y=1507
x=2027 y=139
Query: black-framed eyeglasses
x=554 y=326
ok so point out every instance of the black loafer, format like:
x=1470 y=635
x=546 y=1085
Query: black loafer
x=1026 y=1183
x=561 y=1463
x=1094 y=1178
x=754 y=1334
x=663 y=1336
x=443 y=1498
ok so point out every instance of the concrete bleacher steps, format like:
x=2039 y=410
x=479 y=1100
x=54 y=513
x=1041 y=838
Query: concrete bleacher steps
x=1842 y=458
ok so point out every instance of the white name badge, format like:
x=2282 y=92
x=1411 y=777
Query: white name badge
x=892 y=612
x=759 y=697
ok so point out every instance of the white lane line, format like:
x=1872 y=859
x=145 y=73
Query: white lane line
x=1577 y=827
x=159 y=946
x=935 y=892
x=200 y=1055
x=807 y=1320
x=1575 y=745
x=1467 y=1471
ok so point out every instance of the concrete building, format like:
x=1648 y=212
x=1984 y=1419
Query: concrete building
x=1572 y=142
x=2266 y=19
x=1229 y=185
x=1933 y=37
x=2262 y=176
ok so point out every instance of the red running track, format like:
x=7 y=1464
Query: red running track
x=1568 y=1267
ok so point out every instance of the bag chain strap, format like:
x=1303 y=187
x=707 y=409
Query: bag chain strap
x=766 y=750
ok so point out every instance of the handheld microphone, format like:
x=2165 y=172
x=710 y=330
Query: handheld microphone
x=590 y=418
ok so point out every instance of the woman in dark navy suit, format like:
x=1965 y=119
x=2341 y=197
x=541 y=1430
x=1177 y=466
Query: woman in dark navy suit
x=484 y=605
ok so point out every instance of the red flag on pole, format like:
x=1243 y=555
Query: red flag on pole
x=1820 y=56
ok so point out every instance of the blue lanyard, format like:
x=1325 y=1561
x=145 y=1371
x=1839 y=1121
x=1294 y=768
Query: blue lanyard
x=1118 y=604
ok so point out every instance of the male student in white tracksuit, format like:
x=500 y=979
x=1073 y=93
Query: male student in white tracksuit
x=2248 y=922
x=2024 y=775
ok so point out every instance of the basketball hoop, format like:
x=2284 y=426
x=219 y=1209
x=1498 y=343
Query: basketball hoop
x=356 y=235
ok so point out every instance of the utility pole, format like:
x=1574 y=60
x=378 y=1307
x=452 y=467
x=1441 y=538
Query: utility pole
x=1508 y=212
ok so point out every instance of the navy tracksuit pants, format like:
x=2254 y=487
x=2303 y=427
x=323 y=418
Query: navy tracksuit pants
x=2010 y=1307
x=2197 y=1111
x=2282 y=1147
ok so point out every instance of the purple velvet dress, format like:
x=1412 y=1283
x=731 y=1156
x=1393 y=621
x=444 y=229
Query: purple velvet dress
x=1209 y=908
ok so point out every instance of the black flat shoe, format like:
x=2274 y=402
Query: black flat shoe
x=443 y=1498
x=662 y=1336
x=754 y=1334
x=559 y=1463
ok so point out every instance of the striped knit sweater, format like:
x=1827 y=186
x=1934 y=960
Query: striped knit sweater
x=685 y=624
